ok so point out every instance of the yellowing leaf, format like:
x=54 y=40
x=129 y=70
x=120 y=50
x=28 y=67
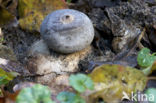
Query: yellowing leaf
x=5 y=16
x=32 y=12
x=153 y=66
x=111 y=81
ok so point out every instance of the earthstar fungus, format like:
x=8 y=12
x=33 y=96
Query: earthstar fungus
x=67 y=31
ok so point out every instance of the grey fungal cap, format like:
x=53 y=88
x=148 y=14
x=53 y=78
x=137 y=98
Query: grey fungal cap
x=67 y=31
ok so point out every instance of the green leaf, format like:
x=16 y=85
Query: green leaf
x=36 y=94
x=147 y=70
x=151 y=94
x=78 y=99
x=145 y=59
x=5 y=77
x=68 y=97
x=1 y=39
x=3 y=80
x=1 y=93
x=81 y=82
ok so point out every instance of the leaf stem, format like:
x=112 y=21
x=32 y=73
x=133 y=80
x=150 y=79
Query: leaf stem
x=147 y=70
x=151 y=78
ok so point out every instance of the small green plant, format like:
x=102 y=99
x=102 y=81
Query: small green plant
x=151 y=92
x=145 y=60
x=5 y=78
x=69 y=1
x=80 y=82
x=1 y=39
x=69 y=97
x=35 y=94
x=41 y=94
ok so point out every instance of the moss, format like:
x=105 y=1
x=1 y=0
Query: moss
x=32 y=12
x=32 y=22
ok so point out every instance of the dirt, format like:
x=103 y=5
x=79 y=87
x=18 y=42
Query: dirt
x=118 y=25
x=111 y=20
x=19 y=41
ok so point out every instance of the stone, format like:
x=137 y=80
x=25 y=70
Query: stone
x=53 y=78
x=120 y=43
x=122 y=22
x=67 y=31
x=13 y=66
x=62 y=80
x=42 y=64
x=22 y=85
x=45 y=79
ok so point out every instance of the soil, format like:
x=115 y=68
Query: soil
x=112 y=19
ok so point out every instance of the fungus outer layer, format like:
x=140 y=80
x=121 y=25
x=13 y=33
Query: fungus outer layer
x=67 y=31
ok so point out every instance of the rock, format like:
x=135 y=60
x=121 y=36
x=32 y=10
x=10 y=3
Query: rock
x=53 y=78
x=32 y=12
x=103 y=3
x=122 y=43
x=123 y=21
x=22 y=85
x=62 y=80
x=124 y=35
x=8 y=61
x=152 y=35
x=13 y=66
x=59 y=84
x=100 y=21
x=45 y=79
x=7 y=53
x=19 y=41
x=67 y=31
x=57 y=63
